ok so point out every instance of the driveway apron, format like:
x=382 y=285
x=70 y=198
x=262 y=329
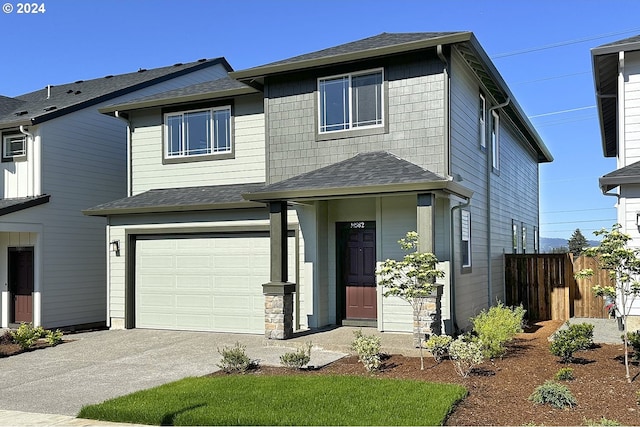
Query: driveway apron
x=96 y=366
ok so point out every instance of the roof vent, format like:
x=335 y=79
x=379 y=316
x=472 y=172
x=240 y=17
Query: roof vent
x=70 y=91
x=178 y=64
x=109 y=76
x=79 y=81
x=78 y=92
x=202 y=60
x=21 y=113
x=51 y=108
x=142 y=70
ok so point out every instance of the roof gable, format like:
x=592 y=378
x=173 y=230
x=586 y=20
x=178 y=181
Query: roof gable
x=58 y=100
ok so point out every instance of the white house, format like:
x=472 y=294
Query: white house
x=60 y=155
x=616 y=69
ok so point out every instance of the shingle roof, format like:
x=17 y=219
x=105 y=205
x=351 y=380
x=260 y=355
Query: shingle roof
x=11 y=205
x=179 y=199
x=377 y=171
x=627 y=175
x=48 y=103
x=223 y=87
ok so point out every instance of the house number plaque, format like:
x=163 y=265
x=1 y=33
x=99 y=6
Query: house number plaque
x=357 y=224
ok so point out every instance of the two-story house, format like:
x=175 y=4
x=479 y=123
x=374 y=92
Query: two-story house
x=616 y=70
x=60 y=155
x=266 y=203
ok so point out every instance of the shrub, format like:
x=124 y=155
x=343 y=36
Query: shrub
x=633 y=338
x=26 y=335
x=465 y=355
x=567 y=341
x=554 y=394
x=564 y=374
x=496 y=327
x=53 y=338
x=234 y=359
x=6 y=338
x=368 y=349
x=438 y=346
x=297 y=359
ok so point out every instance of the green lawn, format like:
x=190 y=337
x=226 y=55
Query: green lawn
x=284 y=400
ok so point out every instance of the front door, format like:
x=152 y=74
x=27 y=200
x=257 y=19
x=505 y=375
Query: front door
x=20 y=275
x=358 y=269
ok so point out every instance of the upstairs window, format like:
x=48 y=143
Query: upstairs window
x=198 y=132
x=14 y=147
x=482 y=122
x=495 y=140
x=350 y=101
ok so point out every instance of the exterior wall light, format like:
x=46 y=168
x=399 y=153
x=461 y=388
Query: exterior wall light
x=114 y=246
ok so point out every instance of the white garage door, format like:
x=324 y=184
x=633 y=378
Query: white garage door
x=202 y=283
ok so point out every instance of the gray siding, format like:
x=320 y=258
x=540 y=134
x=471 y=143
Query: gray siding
x=415 y=114
x=513 y=193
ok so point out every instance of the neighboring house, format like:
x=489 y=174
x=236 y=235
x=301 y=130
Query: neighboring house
x=60 y=155
x=616 y=69
x=299 y=177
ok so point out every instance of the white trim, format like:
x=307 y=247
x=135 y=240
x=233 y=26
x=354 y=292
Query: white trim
x=349 y=126
x=495 y=141
x=212 y=133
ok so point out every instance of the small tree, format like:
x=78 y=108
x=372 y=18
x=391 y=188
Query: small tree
x=623 y=264
x=577 y=243
x=411 y=279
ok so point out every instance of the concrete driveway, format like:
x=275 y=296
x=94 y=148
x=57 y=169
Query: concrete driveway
x=96 y=366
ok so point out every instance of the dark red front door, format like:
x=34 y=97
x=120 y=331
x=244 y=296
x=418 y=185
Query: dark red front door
x=359 y=272
x=21 y=283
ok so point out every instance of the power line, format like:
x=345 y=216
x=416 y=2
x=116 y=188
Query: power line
x=578 y=210
x=573 y=222
x=549 y=78
x=561 y=44
x=571 y=110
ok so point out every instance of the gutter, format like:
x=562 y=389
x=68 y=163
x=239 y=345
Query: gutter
x=452 y=285
x=117 y=114
x=36 y=152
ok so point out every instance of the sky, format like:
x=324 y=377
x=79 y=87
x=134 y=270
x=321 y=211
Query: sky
x=541 y=49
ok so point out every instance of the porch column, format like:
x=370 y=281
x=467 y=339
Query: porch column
x=426 y=222
x=278 y=293
x=427 y=319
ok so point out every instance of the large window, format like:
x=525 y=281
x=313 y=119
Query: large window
x=465 y=227
x=198 y=132
x=14 y=147
x=350 y=101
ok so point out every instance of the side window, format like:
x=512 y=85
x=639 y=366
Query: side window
x=350 y=101
x=524 y=238
x=536 y=247
x=495 y=140
x=482 y=122
x=14 y=147
x=465 y=238
x=514 y=236
x=198 y=134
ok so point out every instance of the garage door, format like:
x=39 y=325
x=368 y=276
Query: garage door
x=202 y=283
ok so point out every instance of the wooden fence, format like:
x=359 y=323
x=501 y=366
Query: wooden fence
x=544 y=284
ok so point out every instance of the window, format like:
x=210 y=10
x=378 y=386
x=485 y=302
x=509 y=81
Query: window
x=483 y=122
x=495 y=139
x=465 y=233
x=350 y=101
x=198 y=132
x=14 y=146
x=524 y=239
x=514 y=238
x=535 y=240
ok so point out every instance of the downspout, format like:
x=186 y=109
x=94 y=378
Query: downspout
x=118 y=115
x=447 y=114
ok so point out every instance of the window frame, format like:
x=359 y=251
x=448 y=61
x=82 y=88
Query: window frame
x=482 y=122
x=495 y=141
x=352 y=130
x=212 y=155
x=465 y=231
x=523 y=237
x=12 y=157
x=515 y=242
